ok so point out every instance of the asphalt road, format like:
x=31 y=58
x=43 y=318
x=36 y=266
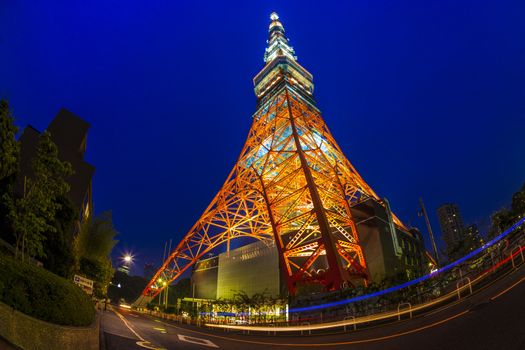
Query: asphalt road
x=492 y=318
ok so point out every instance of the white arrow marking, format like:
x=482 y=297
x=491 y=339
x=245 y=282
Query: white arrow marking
x=200 y=341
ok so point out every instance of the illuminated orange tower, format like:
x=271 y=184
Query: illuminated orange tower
x=291 y=184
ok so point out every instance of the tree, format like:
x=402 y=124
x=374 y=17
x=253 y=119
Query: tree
x=242 y=301
x=58 y=244
x=96 y=237
x=101 y=271
x=518 y=202
x=93 y=246
x=33 y=213
x=9 y=147
x=9 y=163
x=505 y=218
x=126 y=287
x=463 y=247
x=500 y=221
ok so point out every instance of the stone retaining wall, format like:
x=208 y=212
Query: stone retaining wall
x=29 y=333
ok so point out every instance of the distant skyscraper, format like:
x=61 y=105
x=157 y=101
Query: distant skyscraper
x=124 y=268
x=451 y=223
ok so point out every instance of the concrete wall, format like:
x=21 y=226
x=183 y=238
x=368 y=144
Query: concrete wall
x=29 y=333
x=204 y=279
x=253 y=268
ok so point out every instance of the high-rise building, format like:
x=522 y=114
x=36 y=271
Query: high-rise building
x=124 y=268
x=451 y=223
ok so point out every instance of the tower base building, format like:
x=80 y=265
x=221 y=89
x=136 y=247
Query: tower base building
x=254 y=268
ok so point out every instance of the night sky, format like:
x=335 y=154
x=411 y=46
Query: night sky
x=425 y=98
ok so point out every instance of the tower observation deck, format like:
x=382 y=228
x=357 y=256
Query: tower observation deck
x=291 y=184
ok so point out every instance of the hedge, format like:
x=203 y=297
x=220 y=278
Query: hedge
x=39 y=293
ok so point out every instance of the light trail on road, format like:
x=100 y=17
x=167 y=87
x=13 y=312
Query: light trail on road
x=351 y=342
x=507 y=289
x=415 y=281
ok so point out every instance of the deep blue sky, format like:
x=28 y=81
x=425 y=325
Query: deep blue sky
x=425 y=98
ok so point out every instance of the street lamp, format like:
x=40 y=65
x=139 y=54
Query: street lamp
x=127 y=258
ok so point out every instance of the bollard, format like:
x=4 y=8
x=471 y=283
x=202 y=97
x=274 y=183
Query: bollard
x=399 y=308
x=458 y=287
x=350 y=318
x=306 y=324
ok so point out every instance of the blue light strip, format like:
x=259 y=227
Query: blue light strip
x=417 y=280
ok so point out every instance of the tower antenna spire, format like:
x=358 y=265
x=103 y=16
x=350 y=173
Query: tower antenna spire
x=277 y=42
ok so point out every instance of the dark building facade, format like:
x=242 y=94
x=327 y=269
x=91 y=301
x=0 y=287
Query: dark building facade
x=69 y=133
x=451 y=224
x=388 y=256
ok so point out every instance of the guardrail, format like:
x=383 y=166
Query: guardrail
x=308 y=329
x=469 y=284
x=353 y=320
x=475 y=270
x=350 y=318
x=520 y=250
x=428 y=292
x=409 y=309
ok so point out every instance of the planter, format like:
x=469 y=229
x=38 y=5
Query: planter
x=29 y=333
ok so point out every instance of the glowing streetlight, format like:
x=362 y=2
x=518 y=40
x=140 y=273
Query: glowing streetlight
x=127 y=258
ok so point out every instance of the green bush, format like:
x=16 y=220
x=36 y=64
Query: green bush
x=41 y=294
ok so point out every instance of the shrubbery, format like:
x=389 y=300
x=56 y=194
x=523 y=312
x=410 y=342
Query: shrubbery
x=41 y=294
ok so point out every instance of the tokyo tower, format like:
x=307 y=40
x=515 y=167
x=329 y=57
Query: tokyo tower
x=291 y=184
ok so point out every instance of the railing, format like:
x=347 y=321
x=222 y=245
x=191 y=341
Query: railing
x=353 y=323
x=308 y=329
x=520 y=250
x=434 y=290
x=399 y=307
x=460 y=282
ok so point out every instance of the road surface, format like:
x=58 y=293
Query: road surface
x=492 y=318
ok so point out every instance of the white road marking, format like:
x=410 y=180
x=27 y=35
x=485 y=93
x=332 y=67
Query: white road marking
x=194 y=340
x=126 y=323
x=142 y=342
x=147 y=345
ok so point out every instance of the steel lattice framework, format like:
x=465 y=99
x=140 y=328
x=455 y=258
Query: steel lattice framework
x=291 y=184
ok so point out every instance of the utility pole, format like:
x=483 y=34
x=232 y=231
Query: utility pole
x=429 y=228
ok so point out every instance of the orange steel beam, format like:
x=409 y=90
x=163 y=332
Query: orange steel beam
x=286 y=187
x=291 y=186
